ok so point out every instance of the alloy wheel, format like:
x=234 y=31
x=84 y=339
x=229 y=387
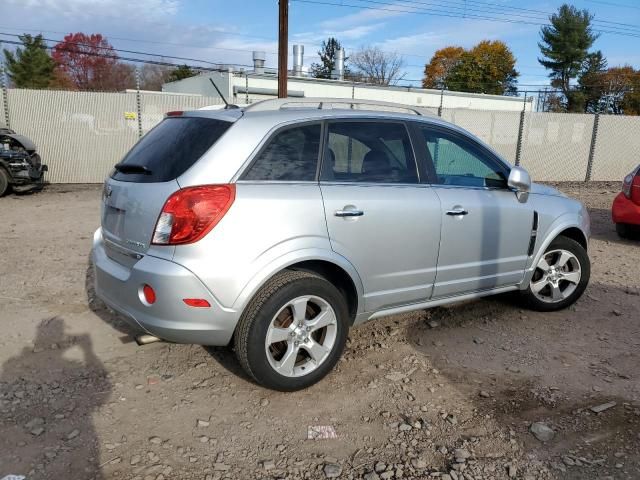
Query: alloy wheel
x=556 y=277
x=301 y=336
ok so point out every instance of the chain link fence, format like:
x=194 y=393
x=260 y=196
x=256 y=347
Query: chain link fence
x=617 y=147
x=81 y=135
x=558 y=146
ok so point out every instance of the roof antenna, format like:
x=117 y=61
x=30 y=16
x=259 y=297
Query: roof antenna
x=227 y=105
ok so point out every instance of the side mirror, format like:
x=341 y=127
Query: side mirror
x=520 y=182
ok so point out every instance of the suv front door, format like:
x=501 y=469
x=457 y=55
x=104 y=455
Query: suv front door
x=378 y=215
x=485 y=229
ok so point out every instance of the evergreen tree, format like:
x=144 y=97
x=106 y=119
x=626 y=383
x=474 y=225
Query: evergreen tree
x=565 y=46
x=30 y=66
x=182 y=72
x=327 y=54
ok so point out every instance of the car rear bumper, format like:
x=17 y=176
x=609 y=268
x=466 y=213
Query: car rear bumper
x=625 y=211
x=169 y=318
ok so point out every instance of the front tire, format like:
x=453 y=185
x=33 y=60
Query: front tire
x=4 y=182
x=628 y=232
x=293 y=331
x=560 y=278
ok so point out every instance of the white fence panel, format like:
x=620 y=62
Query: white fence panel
x=79 y=135
x=154 y=106
x=555 y=146
x=617 y=147
x=498 y=129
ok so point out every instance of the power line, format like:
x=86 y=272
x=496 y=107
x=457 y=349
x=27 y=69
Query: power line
x=499 y=9
x=162 y=63
x=109 y=49
x=126 y=59
x=79 y=44
x=386 y=6
x=614 y=4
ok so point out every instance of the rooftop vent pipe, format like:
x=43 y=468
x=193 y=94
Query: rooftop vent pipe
x=338 y=70
x=258 y=62
x=298 y=60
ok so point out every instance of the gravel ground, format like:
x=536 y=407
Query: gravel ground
x=449 y=393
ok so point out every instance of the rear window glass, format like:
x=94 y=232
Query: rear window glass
x=167 y=151
x=291 y=155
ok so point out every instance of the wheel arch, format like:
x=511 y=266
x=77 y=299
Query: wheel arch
x=335 y=268
x=574 y=233
x=570 y=226
x=337 y=276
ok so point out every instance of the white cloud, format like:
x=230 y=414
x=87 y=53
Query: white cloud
x=359 y=18
x=87 y=9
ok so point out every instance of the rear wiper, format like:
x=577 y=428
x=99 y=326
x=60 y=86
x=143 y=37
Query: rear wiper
x=132 y=168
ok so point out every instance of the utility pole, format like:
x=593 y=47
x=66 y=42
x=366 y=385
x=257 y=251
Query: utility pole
x=283 y=47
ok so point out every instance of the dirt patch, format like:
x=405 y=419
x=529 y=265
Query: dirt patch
x=449 y=391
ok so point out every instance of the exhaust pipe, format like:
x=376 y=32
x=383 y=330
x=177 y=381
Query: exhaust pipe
x=145 y=339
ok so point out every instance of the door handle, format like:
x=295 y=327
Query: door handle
x=457 y=211
x=349 y=213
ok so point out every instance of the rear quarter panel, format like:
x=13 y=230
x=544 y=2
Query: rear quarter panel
x=268 y=224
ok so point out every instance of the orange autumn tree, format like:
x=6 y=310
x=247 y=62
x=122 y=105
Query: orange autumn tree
x=438 y=69
x=488 y=67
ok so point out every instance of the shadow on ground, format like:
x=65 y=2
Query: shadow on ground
x=48 y=431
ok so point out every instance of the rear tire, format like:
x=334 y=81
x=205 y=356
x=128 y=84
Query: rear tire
x=4 y=182
x=560 y=278
x=293 y=331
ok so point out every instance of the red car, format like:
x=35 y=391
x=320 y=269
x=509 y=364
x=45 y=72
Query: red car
x=626 y=206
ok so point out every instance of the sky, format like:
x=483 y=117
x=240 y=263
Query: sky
x=223 y=31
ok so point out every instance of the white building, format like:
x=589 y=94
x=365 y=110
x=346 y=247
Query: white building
x=261 y=84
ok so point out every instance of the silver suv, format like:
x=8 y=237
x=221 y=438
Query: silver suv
x=279 y=226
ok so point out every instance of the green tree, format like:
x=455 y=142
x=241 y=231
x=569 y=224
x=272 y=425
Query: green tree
x=565 y=46
x=489 y=67
x=30 y=66
x=181 y=72
x=327 y=53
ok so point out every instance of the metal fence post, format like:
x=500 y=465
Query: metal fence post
x=592 y=148
x=138 y=102
x=5 y=95
x=441 y=102
x=246 y=88
x=521 y=131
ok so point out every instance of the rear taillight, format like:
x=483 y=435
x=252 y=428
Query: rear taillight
x=626 y=185
x=635 y=189
x=189 y=214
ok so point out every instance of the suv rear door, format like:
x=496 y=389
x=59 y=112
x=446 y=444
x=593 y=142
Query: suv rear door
x=140 y=184
x=378 y=214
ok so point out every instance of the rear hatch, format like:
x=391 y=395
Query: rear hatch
x=140 y=184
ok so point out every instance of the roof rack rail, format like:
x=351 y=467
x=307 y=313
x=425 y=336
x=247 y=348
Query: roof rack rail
x=327 y=104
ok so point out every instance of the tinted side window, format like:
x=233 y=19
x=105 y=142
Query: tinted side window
x=460 y=162
x=169 y=149
x=292 y=154
x=369 y=152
